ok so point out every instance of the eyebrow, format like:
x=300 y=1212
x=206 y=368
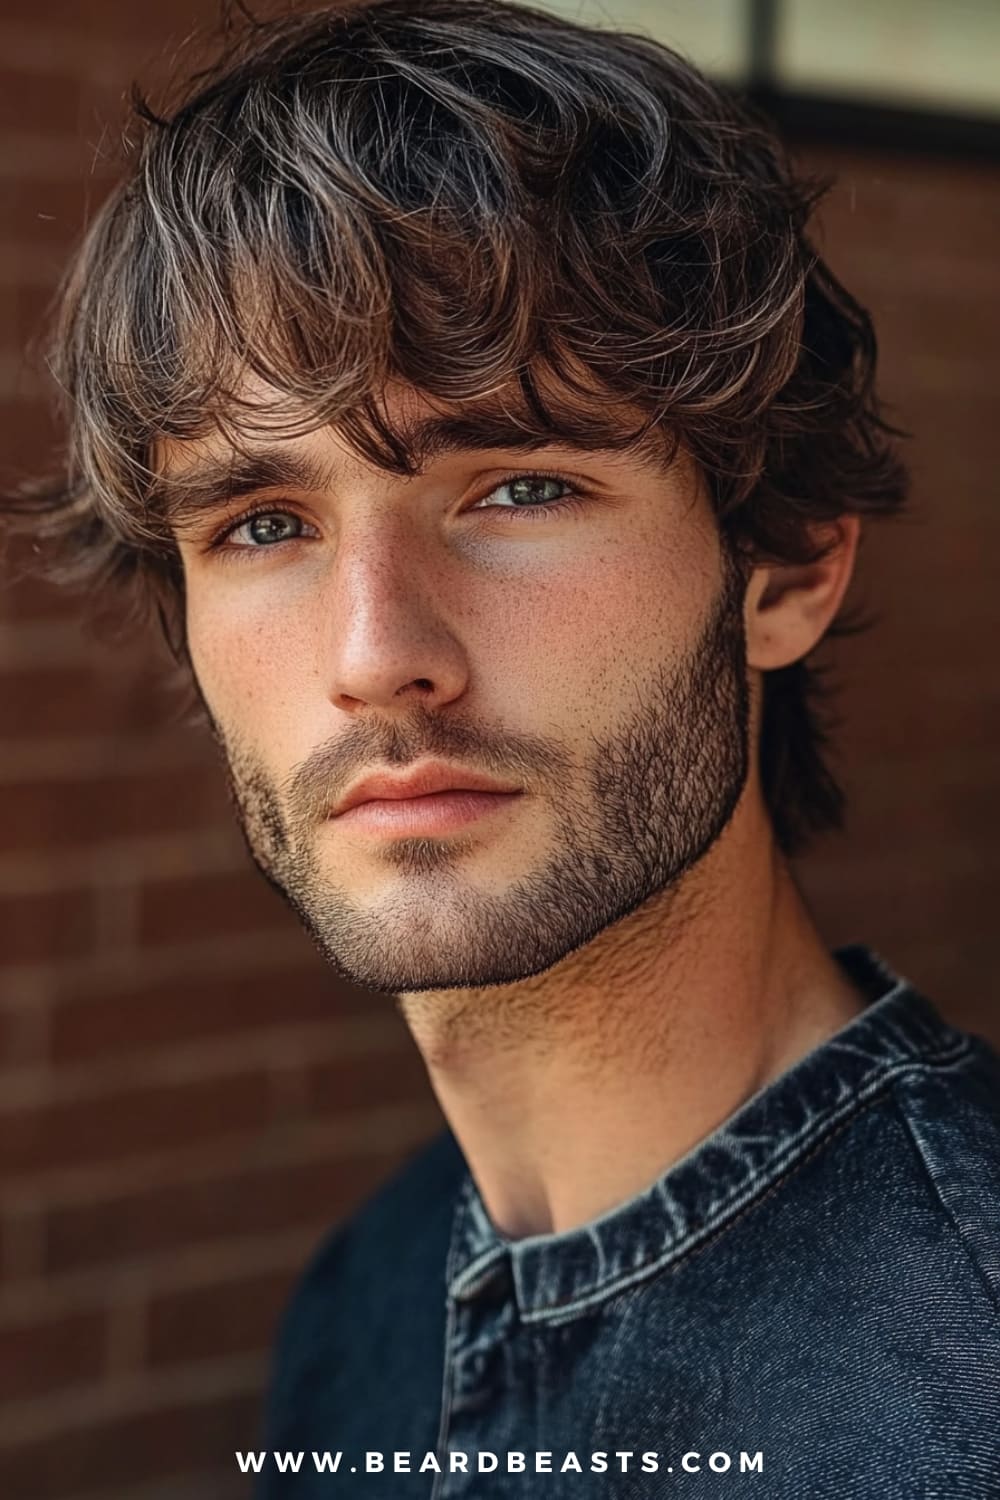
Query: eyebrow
x=212 y=484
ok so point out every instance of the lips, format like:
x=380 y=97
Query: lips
x=423 y=781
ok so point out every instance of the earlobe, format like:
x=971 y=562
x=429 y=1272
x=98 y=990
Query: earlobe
x=790 y=606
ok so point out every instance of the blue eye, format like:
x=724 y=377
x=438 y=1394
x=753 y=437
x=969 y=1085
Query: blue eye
x=529 y=497
x=527 y=490
x=522 y=496
x=266 y=527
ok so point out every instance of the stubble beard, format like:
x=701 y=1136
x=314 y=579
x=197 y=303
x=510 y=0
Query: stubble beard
x=657 y=793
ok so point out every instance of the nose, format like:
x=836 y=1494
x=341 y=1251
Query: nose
x=388 y=635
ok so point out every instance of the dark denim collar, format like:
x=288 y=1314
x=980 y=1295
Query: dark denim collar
x=556 y=1277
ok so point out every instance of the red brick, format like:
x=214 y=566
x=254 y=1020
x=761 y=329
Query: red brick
x=29 y=432
x=153 y=1445
x=9 y=1030
x=942 y=712
x=913 y=206
x=393 y=1076
x=28 y=593
x=49 y=214
x=241 y=1201
x=46 y=103
x=24 y=1027
x=24 y=312
x=47 y=1355
x=961 y=979
x=942 y=322
x=955 y=897
x=70 y=700
x=903 y=803
x=58 y=924
x=29 y=588
x=231 y=901
x=130 y=1122
x=210 y=1322
x=118 y=20
x=148 y=1019
x=51 y=815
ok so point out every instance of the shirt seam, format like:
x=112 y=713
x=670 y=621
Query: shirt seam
x=450 y=1328
x=992 y=1294
x=812 y=1138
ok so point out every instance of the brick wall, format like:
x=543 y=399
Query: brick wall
x=188 y=1098
x=917 y=875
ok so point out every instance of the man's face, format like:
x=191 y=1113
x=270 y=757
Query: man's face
x=590 y=655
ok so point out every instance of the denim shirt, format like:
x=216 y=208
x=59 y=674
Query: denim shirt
x=806 y=1306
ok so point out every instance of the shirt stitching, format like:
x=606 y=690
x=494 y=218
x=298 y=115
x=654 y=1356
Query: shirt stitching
x=945 y=1206
x=451 y=1315
x=814 y=1136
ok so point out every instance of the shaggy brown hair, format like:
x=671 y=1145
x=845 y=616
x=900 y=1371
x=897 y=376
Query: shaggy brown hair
x=479 y=200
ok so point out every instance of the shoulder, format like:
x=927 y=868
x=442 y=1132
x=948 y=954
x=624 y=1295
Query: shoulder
x=951 y=1113
x=404 y=1220
x=389 y=1254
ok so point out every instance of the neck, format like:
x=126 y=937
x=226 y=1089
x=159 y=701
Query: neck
x=572 y=1091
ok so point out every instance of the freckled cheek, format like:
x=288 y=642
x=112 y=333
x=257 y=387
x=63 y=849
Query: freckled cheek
x=249 y=665
x=579 y=641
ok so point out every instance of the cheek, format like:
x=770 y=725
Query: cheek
x=248 y=663
x=576 y=631
x=587 y=635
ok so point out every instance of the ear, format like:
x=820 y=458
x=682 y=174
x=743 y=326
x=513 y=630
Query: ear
x=789 y=606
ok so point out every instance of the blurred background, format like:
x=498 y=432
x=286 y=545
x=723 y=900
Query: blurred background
x=189 y=1098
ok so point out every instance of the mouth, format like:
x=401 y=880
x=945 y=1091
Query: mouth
x=434 y=814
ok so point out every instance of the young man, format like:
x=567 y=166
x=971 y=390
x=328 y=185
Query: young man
x=463 y=390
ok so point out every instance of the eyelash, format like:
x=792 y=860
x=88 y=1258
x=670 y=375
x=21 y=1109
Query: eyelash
x=229 y=551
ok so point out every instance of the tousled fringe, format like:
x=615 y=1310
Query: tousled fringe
x=570 y=228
